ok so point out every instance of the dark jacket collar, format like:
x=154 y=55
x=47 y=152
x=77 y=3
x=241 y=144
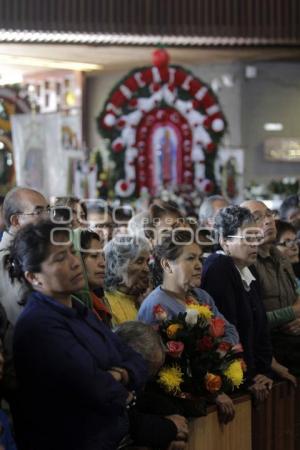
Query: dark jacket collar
x=77 y=309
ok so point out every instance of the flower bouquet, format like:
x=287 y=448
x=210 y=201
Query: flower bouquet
x=198 y=360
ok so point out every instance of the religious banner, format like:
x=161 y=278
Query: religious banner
x=40 y=160
x=164 y=126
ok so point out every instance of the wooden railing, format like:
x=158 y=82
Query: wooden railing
x=273 y=425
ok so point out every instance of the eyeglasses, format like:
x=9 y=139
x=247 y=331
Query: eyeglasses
x=249 y=238
x=259 y=217
x=36 y=212
x=289 y=243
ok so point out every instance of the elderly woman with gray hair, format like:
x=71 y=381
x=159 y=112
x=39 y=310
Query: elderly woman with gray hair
x=126 y=275
x=236 y=292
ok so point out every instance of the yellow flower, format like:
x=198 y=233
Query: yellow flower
x=170 y=378
x=235 y=373
x=172 y=330
x=202 y=310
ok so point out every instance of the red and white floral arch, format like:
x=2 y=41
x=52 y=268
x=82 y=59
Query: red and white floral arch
x=164 y=125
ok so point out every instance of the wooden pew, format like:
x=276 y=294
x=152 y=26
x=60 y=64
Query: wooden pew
x=273 y=422
x=206 y=433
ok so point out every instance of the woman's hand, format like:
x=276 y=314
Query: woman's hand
x=261 y=387
x=119 y=374
x=292 y=327
x=225 y=406
x=283 y=372
x=181 y=424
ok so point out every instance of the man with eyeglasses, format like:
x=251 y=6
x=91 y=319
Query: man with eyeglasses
x=279 y=290
x=20 y=207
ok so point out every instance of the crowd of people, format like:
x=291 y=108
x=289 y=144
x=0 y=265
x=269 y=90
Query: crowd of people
x=79 y=287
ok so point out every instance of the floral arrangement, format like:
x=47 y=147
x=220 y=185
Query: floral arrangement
x=198 y=359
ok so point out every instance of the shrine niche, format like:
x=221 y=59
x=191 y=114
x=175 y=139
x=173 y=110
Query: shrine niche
x=164 y=126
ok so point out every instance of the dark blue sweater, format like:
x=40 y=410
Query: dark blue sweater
x=69 y=400
x=242 y=308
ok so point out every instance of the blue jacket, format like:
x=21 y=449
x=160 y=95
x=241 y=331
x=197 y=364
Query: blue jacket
x=173 y=308
x=69 y=400
x=6 y=438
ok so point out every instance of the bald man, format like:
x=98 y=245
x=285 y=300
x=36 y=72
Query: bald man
x=20 y=207
x=278 y=289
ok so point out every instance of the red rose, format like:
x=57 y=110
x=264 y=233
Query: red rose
x=223 y=348
x=206 y=343
x=217 y=327
x=175 y=349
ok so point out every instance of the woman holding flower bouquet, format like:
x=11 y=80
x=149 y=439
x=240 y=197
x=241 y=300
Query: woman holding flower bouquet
x=178 y=261
x=236 y=291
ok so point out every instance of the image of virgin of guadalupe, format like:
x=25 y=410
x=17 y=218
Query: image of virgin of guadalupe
x=33 y=169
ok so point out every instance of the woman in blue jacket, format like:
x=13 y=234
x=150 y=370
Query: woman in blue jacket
x=76 y=377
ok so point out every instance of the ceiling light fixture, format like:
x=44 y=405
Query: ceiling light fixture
x=48 y=63
x=273 y=126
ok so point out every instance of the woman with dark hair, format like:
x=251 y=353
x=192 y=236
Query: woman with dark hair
x=178 y=264
x=75 y=376
x=90 y=248
x=236 y=291
x=288 y=245
x=286 y=241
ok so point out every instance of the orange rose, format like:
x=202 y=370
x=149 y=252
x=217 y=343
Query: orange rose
x=213 y=383
x=243 y=365
x=217 y=327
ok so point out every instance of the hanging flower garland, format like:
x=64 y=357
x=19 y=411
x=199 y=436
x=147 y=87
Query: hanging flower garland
x=146 y=113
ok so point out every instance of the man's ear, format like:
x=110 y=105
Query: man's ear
x=33 y=278
x=165 y=264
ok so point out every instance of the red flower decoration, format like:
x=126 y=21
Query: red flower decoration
x=118 y=147
x=180 y=76
x=147 y=76
x=164 y=74
x=118 y=98
x=124 y=186
x=210 y=148
x=195 y=85
x=175 y=348
x=121 y=123
x=131 y=83
x=133 y=103
x=160 y=57
x=224 y=347
x=217 y=327
x=206 y=343
x=208 y=101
